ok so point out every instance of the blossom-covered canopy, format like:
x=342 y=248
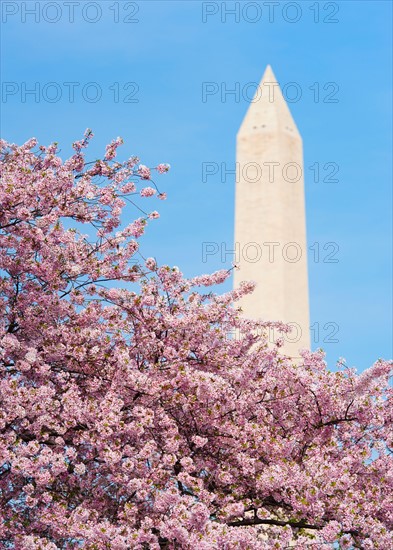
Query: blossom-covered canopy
x=140 y=410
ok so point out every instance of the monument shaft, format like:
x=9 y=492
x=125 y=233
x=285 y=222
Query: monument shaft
x=270 y=223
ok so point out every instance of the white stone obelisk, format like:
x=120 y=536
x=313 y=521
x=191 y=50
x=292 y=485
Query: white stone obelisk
x=270 y=221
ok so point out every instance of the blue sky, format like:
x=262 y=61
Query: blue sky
x=162 y=53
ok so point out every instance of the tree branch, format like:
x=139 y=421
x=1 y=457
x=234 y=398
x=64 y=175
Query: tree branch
x=280 y=523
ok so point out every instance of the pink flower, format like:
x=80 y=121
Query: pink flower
x=187 y=464
x=80 y=468
x=111 y=148
x=106 y=197
x=47 y=498
x=31 y=355
x=147 y=192
x=279 y=342
x=144 y=172
x=153 y=215
x=199 y=441
x=235 y=509
x=24 y=366
x=151 y=264
x=28 y=489
x=346 y=542
x=128 y=187
x=162 y=168
x=135 y=229
x=331 y=531
x=199 y=515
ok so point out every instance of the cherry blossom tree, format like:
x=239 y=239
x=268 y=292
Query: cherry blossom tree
x=139 y=410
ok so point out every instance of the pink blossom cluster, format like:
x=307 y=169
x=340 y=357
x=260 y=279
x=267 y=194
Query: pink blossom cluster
x=130 y=419
x=144 y=172
x=77 y=145
x=147 y=192
x=162 y=168
x=212 y=279
x=111 y=148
